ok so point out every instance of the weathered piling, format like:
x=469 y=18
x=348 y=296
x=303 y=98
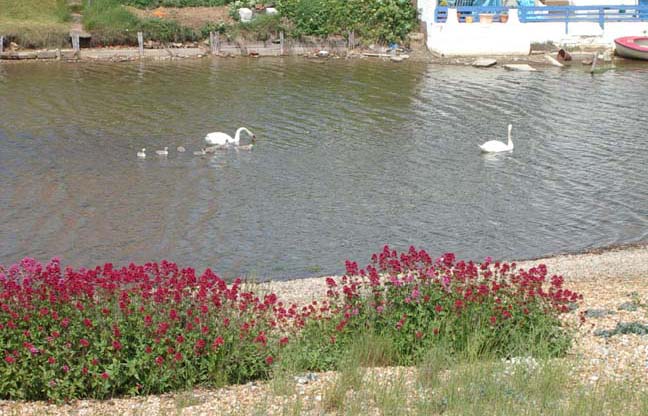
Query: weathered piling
x=1 y=43
x=75 y=41
x=281 y=43
x=594 y=61
x=214 y=42
x=351 y=39
x=140 y=43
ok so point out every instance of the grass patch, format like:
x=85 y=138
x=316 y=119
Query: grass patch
x=35 y=23
x=112 y=24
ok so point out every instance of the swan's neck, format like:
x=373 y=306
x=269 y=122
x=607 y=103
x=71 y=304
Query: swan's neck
x=510 y=142
x=237 y=137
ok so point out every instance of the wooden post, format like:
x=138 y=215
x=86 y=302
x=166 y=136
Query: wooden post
x=351 y=39
x=214 y=42
x=281 y=43
x=75 y=42
x=594 y=59
x=1 y=44
x=140 y=42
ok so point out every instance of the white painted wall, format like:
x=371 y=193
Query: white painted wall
x=514 y=38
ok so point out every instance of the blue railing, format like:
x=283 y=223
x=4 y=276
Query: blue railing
x=441 y=14
x=554 y=14
x=574 y=14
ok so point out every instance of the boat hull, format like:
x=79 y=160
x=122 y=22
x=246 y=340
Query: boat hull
x=633 y=47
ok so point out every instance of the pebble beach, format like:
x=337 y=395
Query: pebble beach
x=614 y=284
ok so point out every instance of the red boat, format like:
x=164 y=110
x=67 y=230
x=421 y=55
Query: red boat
x=633 y=47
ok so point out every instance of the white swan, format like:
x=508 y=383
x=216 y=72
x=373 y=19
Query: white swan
x=142 y=154
x=497 y=146
x=163 y=152
x=218 y=138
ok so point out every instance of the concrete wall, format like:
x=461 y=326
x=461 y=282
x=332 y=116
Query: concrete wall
x=515 y=38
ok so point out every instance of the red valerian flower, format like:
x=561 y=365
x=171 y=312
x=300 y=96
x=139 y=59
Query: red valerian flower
x=218 y=342
x=105 y=375
x=269 y=360
x=84 y=342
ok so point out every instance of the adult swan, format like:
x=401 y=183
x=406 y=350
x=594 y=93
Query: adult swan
x=492 y=146
x=220 y=139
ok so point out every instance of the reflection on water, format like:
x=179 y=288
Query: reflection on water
x=350 y=156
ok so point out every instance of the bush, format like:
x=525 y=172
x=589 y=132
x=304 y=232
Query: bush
x=135 y=330
x=148 y=329
x=476 y=309
x=378 y=20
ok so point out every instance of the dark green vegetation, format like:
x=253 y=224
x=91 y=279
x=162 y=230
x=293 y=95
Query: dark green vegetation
x=44 y=23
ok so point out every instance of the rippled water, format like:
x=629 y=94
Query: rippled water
x=351 y=155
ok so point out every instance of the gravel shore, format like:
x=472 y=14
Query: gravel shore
x=614 y=283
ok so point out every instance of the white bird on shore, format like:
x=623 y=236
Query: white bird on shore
x=162 y=152
x=142 y=154
x=493 y=146
x=181 y=149
x=200 y=152
x=218 y=138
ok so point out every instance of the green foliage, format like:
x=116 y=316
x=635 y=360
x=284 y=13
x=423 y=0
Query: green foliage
x=35 y=23
x=219 y=27
x=381 y=20
x=111 y=23
x=151 y=4
x=262 y=27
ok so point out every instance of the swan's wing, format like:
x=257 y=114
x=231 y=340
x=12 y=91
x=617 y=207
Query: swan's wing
x=493 y=146
x=218 y=138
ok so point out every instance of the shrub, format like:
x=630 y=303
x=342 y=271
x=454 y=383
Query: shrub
x=476 y=309
x=378 y=20
x=154 y=328
x=135 y=330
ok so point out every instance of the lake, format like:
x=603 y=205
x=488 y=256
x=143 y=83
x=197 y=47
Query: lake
x=351 y=155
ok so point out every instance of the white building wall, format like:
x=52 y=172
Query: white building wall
x=515 y=38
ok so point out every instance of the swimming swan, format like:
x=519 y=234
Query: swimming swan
x=163 y=152
x=142 y=154
x=218 y=138
x=497 y=146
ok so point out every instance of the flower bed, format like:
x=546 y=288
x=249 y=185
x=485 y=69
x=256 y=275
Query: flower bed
x=148 y=329
x=487 y=309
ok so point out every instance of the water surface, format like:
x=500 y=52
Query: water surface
x=351 y=155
